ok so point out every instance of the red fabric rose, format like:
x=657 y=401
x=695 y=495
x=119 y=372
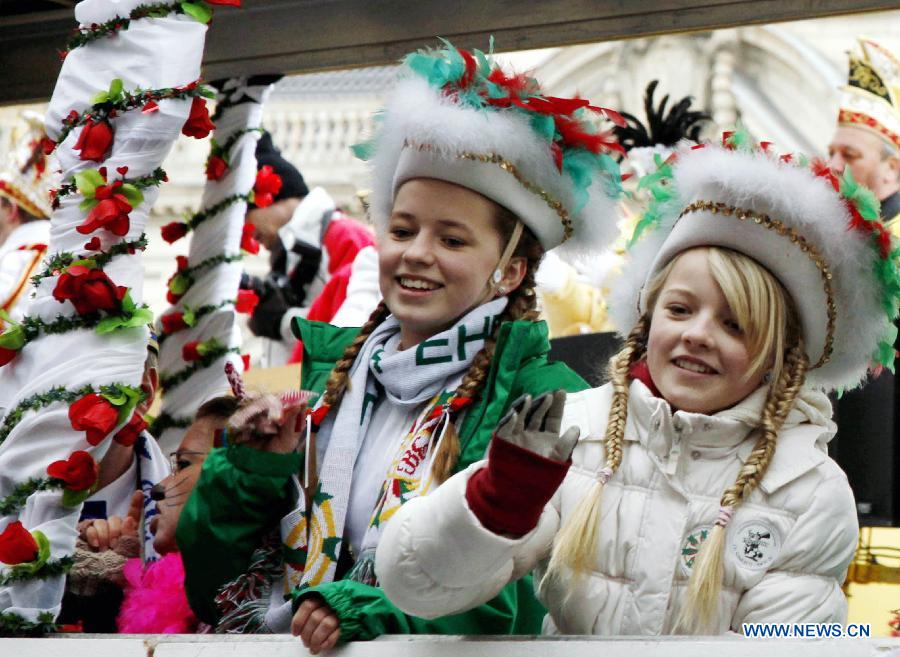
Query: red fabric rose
x=189 y=352
x=198 y=124
x=94 y=140
x=17 y=545
x=79 y=471
x=266 y=187
x=173 y=322
x=111 y=214
x=7 y=355
x=174 y=231
x=248 y=242
x=130 y=432
x=95 y=415
x=173 y=298
x=181 y=262
x=216 y=167
x=246 y=301
x=89 y=290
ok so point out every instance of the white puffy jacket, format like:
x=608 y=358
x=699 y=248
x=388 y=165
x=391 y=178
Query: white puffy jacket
x=787 y=548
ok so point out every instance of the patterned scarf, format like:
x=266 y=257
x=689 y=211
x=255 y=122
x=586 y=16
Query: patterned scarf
x=427 y=375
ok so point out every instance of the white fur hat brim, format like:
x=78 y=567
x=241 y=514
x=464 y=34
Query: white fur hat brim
x=798 y=205
x=426 y=134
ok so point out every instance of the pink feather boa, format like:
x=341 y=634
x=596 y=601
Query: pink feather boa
x=155 y=602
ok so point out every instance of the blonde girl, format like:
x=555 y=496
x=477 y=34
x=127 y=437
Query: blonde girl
x=700 y=496
x=476 y=175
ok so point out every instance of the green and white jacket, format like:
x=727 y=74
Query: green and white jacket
x=242 y=495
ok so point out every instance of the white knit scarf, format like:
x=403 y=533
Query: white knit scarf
x=410 y=378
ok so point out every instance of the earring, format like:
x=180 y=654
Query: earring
x=497 y=276
x=501 y=290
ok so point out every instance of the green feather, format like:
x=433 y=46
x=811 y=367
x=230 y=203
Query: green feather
x=544 y=125
x=364 y=150
x=862 y=197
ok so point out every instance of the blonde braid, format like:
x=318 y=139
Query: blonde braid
x=576 y=542
x=522 y=305
x=339 y=379
x=699 y=612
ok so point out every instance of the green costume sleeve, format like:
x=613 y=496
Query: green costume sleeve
x=242 y=493
x=509 y=381
x=366 y=613
x=323 y=346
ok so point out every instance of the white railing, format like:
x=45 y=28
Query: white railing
x=447 y=646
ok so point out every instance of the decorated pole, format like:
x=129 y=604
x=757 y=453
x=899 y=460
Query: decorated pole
x=72 y=368
x=198 y=333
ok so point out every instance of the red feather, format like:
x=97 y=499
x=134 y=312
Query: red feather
x=856 y=220
x=574 y=135
x=611 y=114
x=471 y=67
x=821 y=169
x=516 y=84
x=556 y=106
x=557 y=156
x=884 y=239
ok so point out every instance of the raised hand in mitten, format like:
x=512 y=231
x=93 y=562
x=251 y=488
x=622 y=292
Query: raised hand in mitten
x=527 y=461
x=534 y=425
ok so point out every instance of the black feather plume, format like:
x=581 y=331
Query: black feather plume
x=661 y=128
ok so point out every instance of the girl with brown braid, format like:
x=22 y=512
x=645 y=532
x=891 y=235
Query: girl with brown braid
x=471 y=187
x=700 y=496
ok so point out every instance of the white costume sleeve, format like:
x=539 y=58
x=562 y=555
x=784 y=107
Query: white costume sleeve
x=804 y=584
x=363 y=292
x=435 y=557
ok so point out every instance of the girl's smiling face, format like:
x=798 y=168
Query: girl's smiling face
x=696 y=350
x=437 y=255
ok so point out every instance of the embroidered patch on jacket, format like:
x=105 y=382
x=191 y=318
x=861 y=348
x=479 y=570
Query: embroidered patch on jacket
x=755 y=545
x=691 y=547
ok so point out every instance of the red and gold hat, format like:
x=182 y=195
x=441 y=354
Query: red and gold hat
x=26 y=177
x=871 y=99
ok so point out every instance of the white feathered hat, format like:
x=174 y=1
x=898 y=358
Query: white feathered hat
x=456 y=116
x=820 y=235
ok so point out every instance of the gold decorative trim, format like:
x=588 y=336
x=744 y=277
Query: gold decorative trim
x=866 y=122
x=796 y=238
x=510 y=168
x=16 y=195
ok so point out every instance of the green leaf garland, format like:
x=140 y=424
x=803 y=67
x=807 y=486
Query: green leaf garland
x=59 y=261
x=169 y=381
x=57 y=394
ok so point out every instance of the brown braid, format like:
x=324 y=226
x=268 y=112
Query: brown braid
x=339 y=379
x=522 y=305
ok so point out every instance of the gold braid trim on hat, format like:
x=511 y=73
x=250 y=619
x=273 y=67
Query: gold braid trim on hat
x=16 y=195
x=512 y=169
x=810 y=250
x=866 y=122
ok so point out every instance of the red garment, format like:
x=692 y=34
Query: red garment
x=509 y=494
x=344 y=239
x=641 y=371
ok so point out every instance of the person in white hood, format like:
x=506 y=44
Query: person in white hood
x=700 y=496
